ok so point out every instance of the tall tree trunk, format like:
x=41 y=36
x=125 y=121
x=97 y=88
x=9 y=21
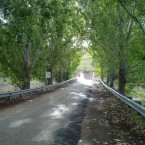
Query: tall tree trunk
x=112 y=75
x=102 y=74
x=122 y=77
x=67 y=75
x=112 y=79
x=108 y=79
x=27 y=69
x=60 y=75
x=122 y=64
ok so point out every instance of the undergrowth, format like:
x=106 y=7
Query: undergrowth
x=138 y=119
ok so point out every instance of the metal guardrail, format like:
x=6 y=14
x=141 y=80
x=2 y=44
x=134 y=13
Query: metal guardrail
x=45 y=88
x=140 y=109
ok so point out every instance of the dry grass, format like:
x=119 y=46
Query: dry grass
x=5 y=85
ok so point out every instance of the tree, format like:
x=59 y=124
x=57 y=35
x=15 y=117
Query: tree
x=60 y=27
x=110 y=29
x=21 y=40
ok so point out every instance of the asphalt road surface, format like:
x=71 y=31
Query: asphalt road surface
x=47 y=120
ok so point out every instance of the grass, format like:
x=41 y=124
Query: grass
x=5 y=85
x=136 y=93
x=36 y=84
x=7 y=88
x=137 y=119
x=139 y=93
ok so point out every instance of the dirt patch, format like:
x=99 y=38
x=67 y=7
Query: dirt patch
x=109 y=121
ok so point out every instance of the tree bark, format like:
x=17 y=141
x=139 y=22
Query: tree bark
x=113 y=74
x=60 y=75
x=67 y=75
x=102 y=74
x=122 y=77
x=108 y=79
x=27 y=68
x=112 y=79
x=122 y=64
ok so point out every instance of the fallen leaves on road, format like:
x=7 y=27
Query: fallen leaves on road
x=109 y=121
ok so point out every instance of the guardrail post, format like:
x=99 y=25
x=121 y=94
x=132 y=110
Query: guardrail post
x=129 y=97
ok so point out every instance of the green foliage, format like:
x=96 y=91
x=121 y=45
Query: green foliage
x=41 y=35
x=38 y=35
x=137 y=119
x=117 y=41
x=137 y=92
x=21 y=32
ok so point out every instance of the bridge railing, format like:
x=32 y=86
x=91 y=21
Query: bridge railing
x=45 y=88
x=139 y=108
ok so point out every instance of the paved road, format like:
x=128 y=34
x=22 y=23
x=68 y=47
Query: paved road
x=39 y=121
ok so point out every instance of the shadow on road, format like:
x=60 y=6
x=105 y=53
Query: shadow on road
x=70 y=134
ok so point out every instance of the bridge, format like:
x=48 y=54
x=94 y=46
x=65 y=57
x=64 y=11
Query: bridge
x=81 y=113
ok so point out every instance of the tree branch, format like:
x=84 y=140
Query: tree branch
x=129 y=31
x=132 y=16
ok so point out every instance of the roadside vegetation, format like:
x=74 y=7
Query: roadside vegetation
x=139 y=93
x=37 y=37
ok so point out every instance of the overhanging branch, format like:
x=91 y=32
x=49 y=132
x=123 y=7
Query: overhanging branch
x=132 y=16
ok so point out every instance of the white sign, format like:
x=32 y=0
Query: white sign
x=48 y=75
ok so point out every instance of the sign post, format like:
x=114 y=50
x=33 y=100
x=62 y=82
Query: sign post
x=48 y=75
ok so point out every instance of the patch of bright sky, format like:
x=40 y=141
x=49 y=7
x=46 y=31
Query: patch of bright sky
x=84 y=43
x=2 y=18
